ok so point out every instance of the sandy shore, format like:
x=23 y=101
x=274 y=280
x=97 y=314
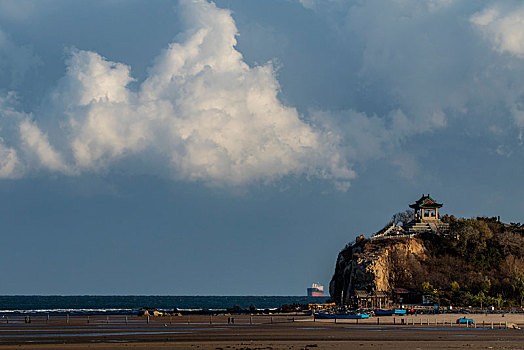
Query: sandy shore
x=260 y=332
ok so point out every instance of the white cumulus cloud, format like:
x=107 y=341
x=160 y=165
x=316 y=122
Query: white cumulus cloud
x=10 y=165
x=201 y=112
x=36 y=143
x=503 y=26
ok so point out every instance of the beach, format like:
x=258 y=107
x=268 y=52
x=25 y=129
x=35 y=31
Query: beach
x=288 y=331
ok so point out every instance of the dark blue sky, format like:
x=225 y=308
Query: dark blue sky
x=145 y=151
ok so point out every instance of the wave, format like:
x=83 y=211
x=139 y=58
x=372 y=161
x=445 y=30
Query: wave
x=129 y=305
x=111 y=311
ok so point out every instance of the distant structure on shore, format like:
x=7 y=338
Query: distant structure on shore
x=316 y=290
x=425 y=219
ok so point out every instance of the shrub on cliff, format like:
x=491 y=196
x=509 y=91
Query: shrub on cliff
x=483 y=256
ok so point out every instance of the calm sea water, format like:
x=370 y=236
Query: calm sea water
x=128 y=305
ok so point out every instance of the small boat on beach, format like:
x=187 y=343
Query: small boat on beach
x=390 y=312
x=464 y=320
x=324 y=316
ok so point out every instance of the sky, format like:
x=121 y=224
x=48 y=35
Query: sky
x=235 y=147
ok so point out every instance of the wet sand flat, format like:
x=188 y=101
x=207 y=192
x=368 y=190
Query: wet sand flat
x=257 y=332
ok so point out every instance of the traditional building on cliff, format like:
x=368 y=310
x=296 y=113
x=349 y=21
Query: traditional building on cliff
x=425 y=219
x=426 y=208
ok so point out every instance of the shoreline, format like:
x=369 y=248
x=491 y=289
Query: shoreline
x=249 y=332
x=297 y=309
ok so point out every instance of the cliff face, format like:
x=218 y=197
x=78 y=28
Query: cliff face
x=375 y=265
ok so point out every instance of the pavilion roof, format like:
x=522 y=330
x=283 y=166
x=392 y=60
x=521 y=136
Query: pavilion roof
x=425 y=202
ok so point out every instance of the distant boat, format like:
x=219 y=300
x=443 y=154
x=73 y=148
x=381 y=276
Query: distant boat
x=323 y=316
x=390 y=312
x=316 y=290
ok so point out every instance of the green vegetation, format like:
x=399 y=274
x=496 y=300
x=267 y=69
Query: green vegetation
x=478 y=262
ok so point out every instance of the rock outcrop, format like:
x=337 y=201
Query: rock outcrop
x=375 y=266
x=468 y=262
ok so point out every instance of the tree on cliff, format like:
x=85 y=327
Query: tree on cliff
x=402 y=217
x=484 y=256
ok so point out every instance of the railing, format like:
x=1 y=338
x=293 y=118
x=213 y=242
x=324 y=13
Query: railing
x=164 y=320
x=423 y=322
x=395 y=236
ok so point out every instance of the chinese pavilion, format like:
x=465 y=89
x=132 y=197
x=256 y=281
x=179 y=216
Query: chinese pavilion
x=426 y=208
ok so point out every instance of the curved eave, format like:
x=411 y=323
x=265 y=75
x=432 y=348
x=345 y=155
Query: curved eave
x=425 y=206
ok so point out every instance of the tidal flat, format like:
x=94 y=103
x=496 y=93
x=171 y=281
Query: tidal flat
x=282 y=331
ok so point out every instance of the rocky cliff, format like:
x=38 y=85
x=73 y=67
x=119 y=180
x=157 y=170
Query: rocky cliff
x=375 y=265
x=474 y=262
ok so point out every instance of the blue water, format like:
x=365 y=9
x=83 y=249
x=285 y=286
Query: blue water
x=128 y=305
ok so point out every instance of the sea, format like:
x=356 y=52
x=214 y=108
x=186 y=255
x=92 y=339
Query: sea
x=132 y=304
